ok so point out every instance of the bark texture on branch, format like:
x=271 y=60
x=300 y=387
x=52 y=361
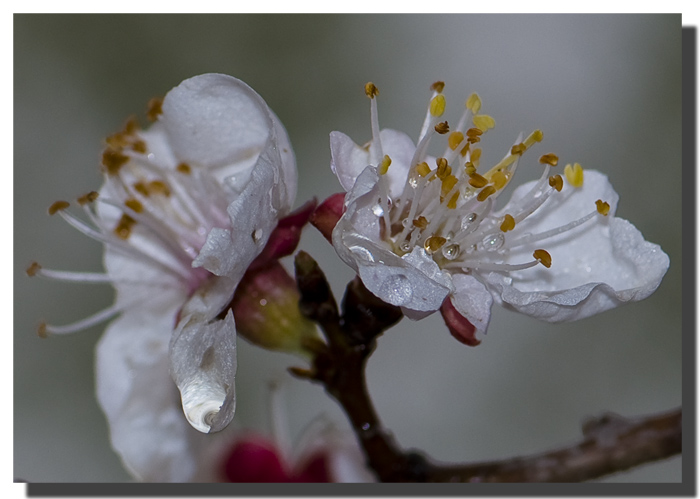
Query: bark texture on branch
x=610 y=444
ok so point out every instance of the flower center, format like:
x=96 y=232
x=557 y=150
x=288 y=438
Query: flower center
x=447 y=204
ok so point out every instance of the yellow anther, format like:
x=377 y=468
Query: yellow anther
x=543 y=257
x=470 y=168
x=113 y=161
x=139 y=146
x=123 y=228
x=500 y=179
x=474 y=103
x=535 y=136
x=434 y=243
x=455 y=139
x=141 y=188
x=508 y=223
x=443 y=169
x=452 y=203
x=602 y=207
x=485 y=192
x=518 y=149
x=465 y=149
x=447 y=184
x=549 y=159
x=438 y=86
x=474 y=135
x=371 y=90
x=184 y=168
x=87 y=198
x=134 y=204
x=58 y=206
x=155 y=108
x=158 y=187
x=437 y=105
x=384 y=165
x=476 y=180
x=442 y=128
x=33 y=269
x=475 y=156
x=41 y=331
x=574 y=174
x=556 y=182
x=422 y=169
x=484 y=122
x=421 y=222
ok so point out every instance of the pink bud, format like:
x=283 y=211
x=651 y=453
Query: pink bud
x=328 y=213
x=459 y=326
x=254 y=460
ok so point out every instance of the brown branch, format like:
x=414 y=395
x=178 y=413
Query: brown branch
x=611 y=443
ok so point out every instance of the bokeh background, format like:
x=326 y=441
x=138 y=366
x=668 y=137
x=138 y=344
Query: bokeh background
x=606 y=91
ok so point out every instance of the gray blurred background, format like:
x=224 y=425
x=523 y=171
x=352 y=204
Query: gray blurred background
x=606 y=91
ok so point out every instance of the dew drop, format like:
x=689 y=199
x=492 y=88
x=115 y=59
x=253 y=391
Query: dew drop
x=468 y=220
x=396 y=289
x=378 y=210
x=405 y=246
x=413 y=182
x=405 y=222
x=451 y=252
x=257 y=235
x=492 y=242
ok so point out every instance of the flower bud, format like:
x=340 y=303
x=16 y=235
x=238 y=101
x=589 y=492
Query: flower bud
x=266 y=310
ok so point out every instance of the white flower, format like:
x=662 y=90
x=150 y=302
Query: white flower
x=186 y=206
x=419 y=229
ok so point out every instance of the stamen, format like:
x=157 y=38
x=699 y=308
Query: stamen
x=99 y=317
x=508 y=223
x=442 y=128
x=87 y=198
x=371 y=90
x=518 y=149
x=33 y=269
x=484 y=122
x=437 y=105
x=384 y=165
x=123 y=228
x=434 y=243
x=58 y=206
x=134 y=204
x=500 y=179
x=421 y=222
x=486 y=192
x=443 y=169
x=438 y=86
x=556 y=182
x=602 y=207
x=478 y=181
x=423 y=169
x=475 y=156
x=543 y=257
x=474 y=135
x=455 y=139
x=139 y=146
x=155 y=108
x=491 y=266
x=550 y=159
x=552 y=232
x=89 y=277
x=447 y=184
x=574 y=175
x=184 y=168
x=474 y=103
x=113 y=160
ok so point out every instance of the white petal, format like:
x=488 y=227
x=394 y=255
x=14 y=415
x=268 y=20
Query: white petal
x=472 y=300
x=348 y=159
x=607 y=267
x=140 y=400
x=215 y=120
x=400 y=148
x=253 y=216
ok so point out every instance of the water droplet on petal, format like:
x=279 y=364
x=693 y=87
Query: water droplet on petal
x=378 y=210
x=413 y=182
x=468 y=220
x=396 y=290
x=451 y=252
x=492 y=242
